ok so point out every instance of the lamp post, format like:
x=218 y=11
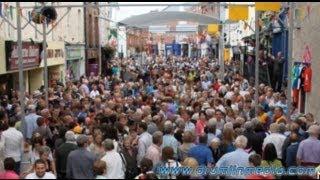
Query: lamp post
x=256 y=80
x=290 y=47
x=20 y=60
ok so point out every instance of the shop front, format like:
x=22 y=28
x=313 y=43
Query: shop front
x=9 y=72
x=55 y=63
x=92 y=63
x=75 y=64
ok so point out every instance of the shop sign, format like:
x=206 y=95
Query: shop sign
x=30 y=55
x=55 y=53
x=73 y=53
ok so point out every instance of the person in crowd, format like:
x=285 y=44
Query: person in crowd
x=44 y=153
x=239 y=157
x=13 y=143
x=292 y=151
x=43 y=129
x=201 y=152
x=212 y=131
x=30 y=123
x=254 y=140
x=255 y=161
x=130 y=155
x=279 y=116
x=226 y=145
x=169 y=161
x=114 y=160
x=263 y=117
x=188 y=139
x=168 y=139
x=270 y=158
x=145 y=140
x=275 y=138
x=99 y=169
x=62 y=153
x=96 y=147
x=40 y=171
x=80 y=161
x=201 y=123
x=145 y=168
x=185 y=115
x=94 y=93
x=192 y=163
x=215 y=149
x=220 y=119
x=154 y=151
x=309 y=149
x=9 y=167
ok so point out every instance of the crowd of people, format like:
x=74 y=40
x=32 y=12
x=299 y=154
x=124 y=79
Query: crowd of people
x=137 y=118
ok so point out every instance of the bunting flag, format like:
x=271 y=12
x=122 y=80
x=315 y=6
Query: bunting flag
x=308 y=10
x=29 y=16
x=237 y=12
x=11 y=12
x=226 y=54
x=213 y=28
x=5 y=8
x=20 y=11
x=307 y=54
x=260 y=23
x=245 y=27
x=268 y=6
x=54 y=24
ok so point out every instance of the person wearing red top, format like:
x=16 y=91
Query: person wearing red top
x=216 y=85
x=201 y=123
x=9 y=173
x=306 y=78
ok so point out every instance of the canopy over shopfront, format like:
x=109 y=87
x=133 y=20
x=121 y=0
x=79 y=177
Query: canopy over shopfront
x=164 y=17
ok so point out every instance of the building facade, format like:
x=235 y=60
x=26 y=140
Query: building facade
x=91 y=18
x=306 y=41
x=67 y=31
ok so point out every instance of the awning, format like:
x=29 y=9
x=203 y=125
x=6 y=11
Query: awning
x=165 y=17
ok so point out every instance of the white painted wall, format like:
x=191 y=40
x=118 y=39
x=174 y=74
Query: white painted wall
x=70 y=29
x=104 y=23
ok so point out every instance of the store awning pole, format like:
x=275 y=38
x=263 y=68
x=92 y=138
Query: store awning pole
x=290 y=46
x=20 y=60
x=256 y=81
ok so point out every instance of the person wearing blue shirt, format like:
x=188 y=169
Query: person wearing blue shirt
x=238 y=158
x=292 y=150
x=149 y=89
x=30 y=122
x=169 y=139
x=202 y=152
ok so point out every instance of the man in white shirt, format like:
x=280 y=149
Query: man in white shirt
x=115 y=163
x=40 y=171
x=94 y=93
x=275 y=138
x=205 y=84
x=13 y=143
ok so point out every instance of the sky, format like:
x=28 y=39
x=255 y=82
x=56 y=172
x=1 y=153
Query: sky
x=127 y=11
